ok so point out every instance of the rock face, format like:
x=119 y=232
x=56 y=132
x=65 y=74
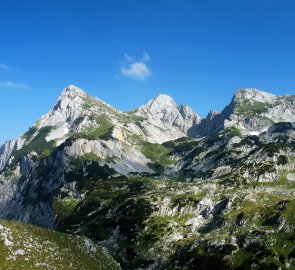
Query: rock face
x=5 y=152
x=140 y=182
x=250 y=110
x=74 y=112
x=157 y=121
x=113 y=153
x=230 y=154
x=163 y=111
x=67 y=109
x=7 y=149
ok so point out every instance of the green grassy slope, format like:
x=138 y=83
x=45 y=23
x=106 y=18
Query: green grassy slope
x=28 y=247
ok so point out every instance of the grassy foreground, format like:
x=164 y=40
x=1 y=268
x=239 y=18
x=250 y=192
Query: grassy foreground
x=24 y=247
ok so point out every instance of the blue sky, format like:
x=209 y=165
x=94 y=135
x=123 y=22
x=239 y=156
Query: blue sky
x=128 y=51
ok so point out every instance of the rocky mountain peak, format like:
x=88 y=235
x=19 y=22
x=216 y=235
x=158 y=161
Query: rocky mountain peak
x=163 y=111
x=253 y=95
x=68 y=107
x=212 y=114
x=160 y=107
x=251 y=110
x=72 y=90
x=70 y=93
x=160 y=102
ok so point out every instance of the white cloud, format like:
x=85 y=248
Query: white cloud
x=137 y=68
x=13 y=85
x=3 y=67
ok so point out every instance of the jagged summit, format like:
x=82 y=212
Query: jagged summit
x=72 y=89
x=162 y=110
x=160 y=102
x=253 y=94
x=161 y=119
x=164 y=103
x=212 y=114
x=71 y=92
x=251 y=110
x=75 y=96
x=68 y=107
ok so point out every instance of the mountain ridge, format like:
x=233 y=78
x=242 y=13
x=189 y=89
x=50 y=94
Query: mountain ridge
x=160 y=180
x=193 y=129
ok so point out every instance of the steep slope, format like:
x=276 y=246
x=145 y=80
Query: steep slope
x=28 y=247
x=87 y=121
x=250 y=110
x=7 y=149
x=79 y=128
x=5 y=152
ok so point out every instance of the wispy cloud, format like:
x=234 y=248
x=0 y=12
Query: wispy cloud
x=145 y=57
x=4 y=67
x=136 y=68
x=13 y=85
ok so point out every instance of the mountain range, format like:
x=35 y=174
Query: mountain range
x=158 y=187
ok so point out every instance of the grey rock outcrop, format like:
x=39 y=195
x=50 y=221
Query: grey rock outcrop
x=5 y=152
x=7 y=149
x=163 y=111
x=250 y=110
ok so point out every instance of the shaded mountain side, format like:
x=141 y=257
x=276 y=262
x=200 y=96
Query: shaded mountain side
x=149 y=223
x=229 y=154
